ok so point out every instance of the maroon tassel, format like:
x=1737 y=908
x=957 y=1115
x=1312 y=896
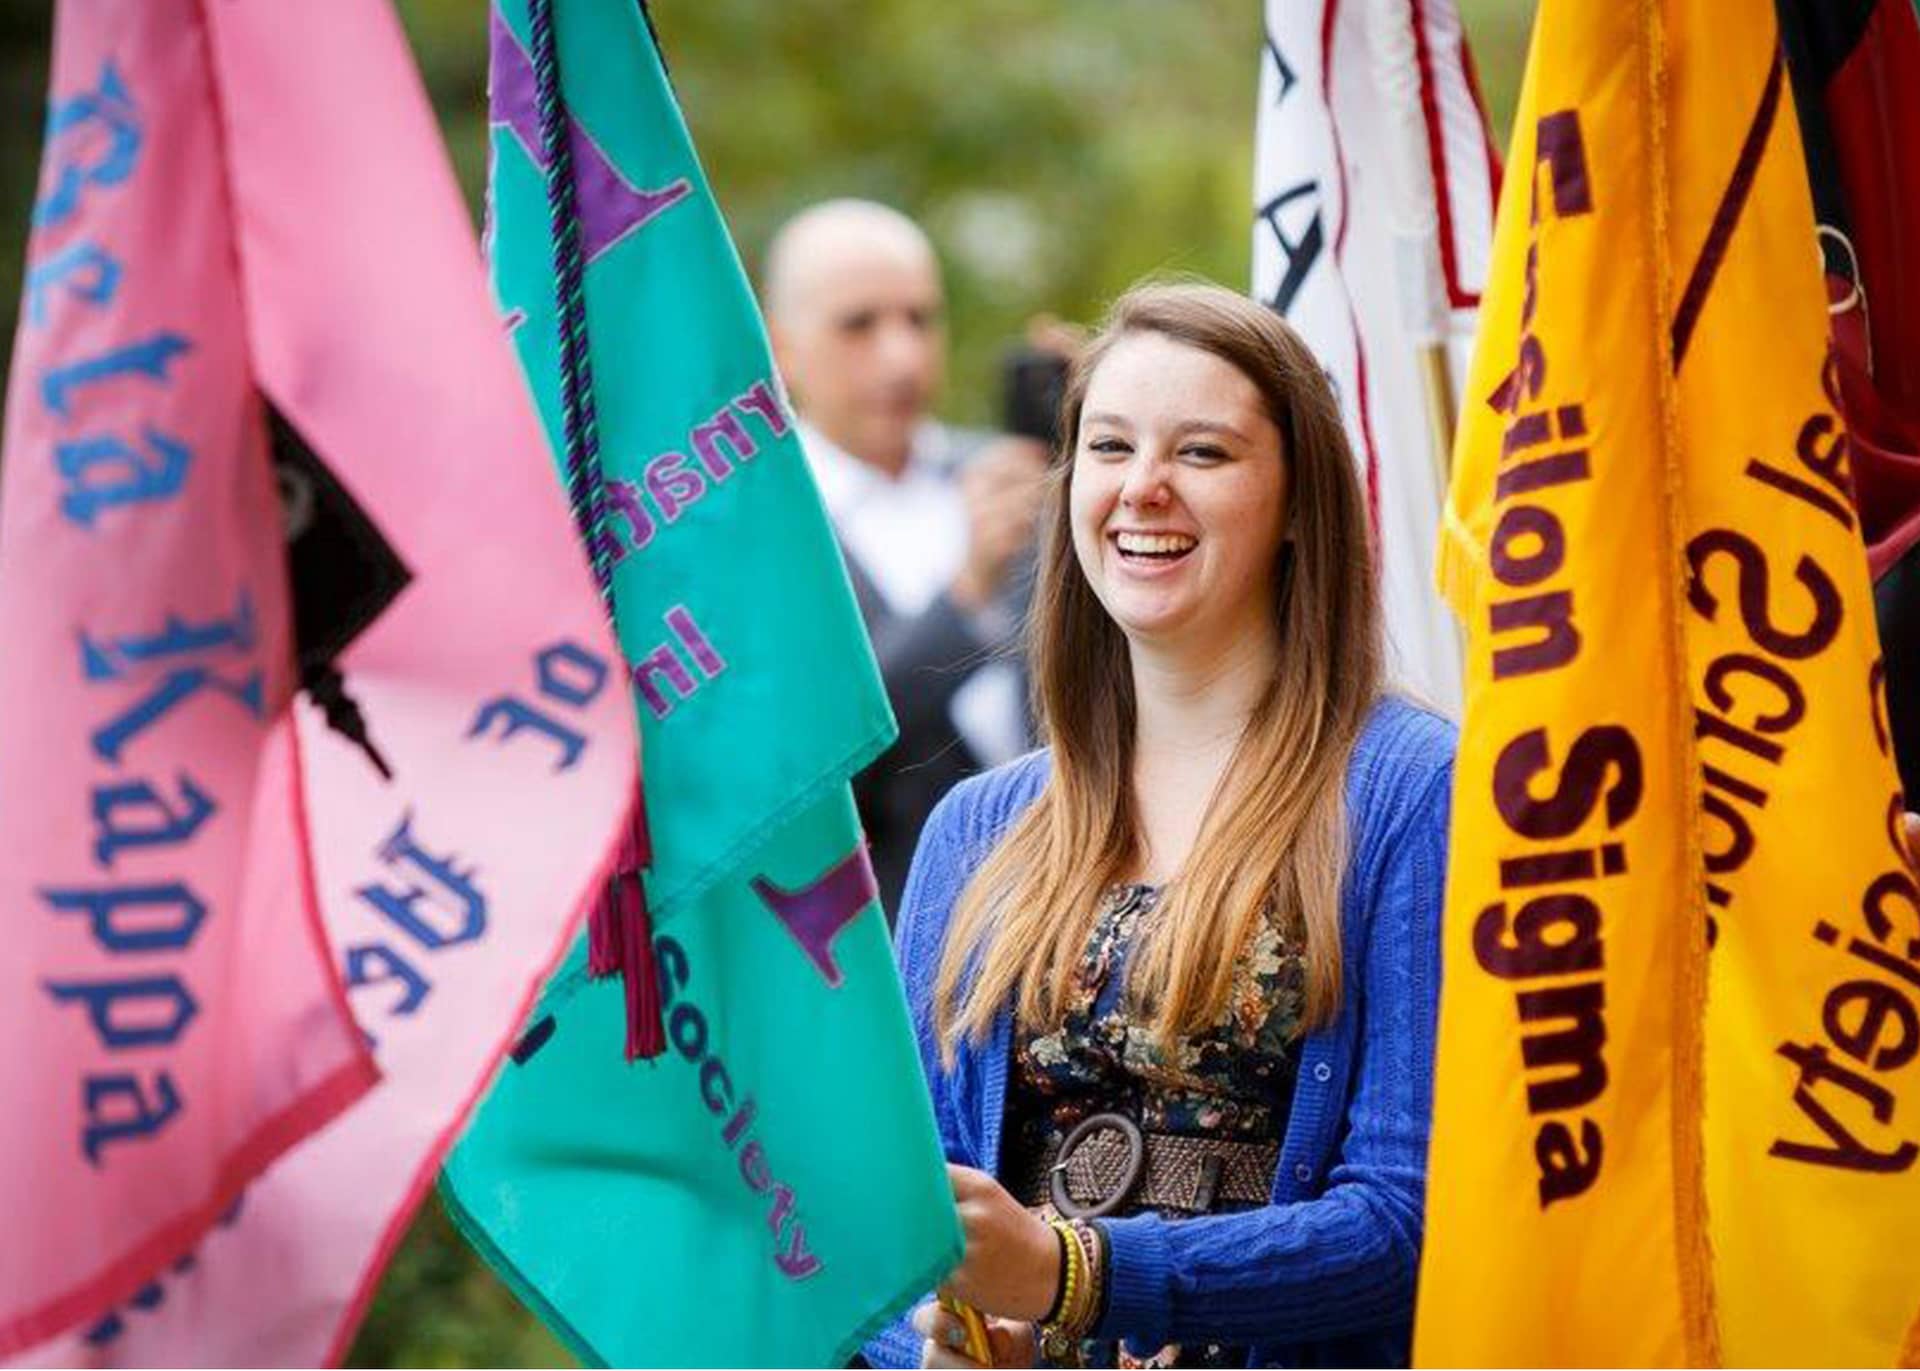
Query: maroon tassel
x=620 y=939
x=646 y=1030
x=603 y=926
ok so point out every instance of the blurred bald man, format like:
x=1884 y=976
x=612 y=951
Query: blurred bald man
x=937 y=523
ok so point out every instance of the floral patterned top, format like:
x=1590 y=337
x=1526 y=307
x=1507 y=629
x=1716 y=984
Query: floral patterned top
x=1234 y=1080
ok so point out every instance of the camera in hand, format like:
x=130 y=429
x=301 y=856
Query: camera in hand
x=1033 y=382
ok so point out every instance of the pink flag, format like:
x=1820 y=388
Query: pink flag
x=263 y=434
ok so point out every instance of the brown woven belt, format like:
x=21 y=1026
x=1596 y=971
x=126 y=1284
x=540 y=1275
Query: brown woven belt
x=1109 y=1165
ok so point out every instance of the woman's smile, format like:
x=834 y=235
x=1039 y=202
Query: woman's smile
x=1150 y=553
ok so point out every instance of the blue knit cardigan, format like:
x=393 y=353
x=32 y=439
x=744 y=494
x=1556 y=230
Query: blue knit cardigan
x=1324 y=1275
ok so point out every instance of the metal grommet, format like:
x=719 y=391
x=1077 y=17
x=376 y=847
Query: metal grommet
x=1323 y=1073
x=1071 y=1208
x=1303 y=1173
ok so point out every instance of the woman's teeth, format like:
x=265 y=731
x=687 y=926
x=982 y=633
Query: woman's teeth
x=1154 y=544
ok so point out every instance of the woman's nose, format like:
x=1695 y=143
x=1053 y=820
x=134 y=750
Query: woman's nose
x=1145 y=486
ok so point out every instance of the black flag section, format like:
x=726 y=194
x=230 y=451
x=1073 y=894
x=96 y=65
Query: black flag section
x=342 y=572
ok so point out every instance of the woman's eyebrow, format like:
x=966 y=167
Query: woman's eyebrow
x=1185 y=428
x=1191 y=426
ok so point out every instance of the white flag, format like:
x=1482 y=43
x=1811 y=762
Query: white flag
x=1374 y=180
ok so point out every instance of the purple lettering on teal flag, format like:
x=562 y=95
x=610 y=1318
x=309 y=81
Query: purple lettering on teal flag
x=762 y=401
x=816 y=913
x=625 y=501
x=672 y=484
x=721 y=443
x=684 y=628
x=706 y=439
x=662 y=661
x=610 y=206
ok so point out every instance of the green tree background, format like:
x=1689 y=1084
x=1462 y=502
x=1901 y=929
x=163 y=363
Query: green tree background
x=1055 y=150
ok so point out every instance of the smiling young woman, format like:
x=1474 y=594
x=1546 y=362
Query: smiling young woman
x=1175 y=977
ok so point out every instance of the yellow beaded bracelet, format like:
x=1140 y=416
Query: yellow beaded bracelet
x=1058 y=1336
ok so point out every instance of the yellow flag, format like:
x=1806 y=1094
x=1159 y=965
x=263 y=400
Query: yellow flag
x=1813 y=1005
x=1646 y=1152
x=1566 y=1183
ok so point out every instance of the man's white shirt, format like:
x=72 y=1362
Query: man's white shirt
x=909 y=535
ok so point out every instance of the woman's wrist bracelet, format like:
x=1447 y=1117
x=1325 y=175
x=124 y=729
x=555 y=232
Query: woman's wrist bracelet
x=1091 y=1253
x=1078 y=1307
x=1100 y=1275
x=1057 y=1335
x=1059 y=1277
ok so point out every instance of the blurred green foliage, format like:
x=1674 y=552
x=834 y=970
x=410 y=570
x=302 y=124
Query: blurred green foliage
x=439 y=1305
x=1055 y=149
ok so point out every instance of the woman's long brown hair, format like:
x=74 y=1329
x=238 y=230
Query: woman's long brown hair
x=1273 y=841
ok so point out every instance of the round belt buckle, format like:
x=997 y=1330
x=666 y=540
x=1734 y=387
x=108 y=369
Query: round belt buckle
x=1071 y=1208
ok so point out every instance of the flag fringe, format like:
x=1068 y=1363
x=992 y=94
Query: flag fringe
x=1700 y=1325
x=620 y=939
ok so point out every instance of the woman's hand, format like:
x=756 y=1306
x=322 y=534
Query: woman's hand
x=946 y=1339
x=1012 y=1262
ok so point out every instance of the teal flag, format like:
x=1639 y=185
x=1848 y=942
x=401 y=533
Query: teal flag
x=771 y=1189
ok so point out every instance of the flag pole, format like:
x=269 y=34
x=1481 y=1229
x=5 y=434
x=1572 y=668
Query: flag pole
x=1424 y=306
x=1436 y=380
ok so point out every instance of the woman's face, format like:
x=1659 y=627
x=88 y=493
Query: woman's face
x=1178 y=495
